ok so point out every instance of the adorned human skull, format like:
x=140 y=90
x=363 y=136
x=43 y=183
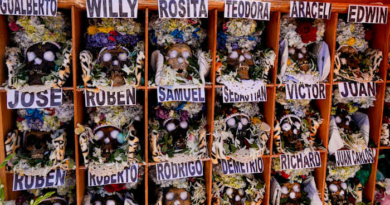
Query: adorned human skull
x=345 y=121
x=238 y=124
x=109 y=138
x=385 y=141
x=35 y=142
x=302 y=56
x=338 y=192
x=177 y=58
x=291 y=132
x=292 y=192
x=348 y=56
x=359 y=192
x=235 y=196
x=107 y=200
x=242 y=61
x=40 y=61
x=178 y=130
x=176 y=196
x=114 y=60
x=54 y=201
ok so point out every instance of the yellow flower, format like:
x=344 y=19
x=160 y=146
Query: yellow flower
x=288 y=62
x=352 y=27
x=92 y=30
x=105 y=29
x=256 y=120
x=351 y=41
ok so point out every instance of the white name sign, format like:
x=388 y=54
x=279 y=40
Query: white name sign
x=112 y=8
x=55 y=178
x=234 y=167
x=367 y=14
x=183 y=8
x=350 y=157
x=300 y=161
x=178 y=93
x=314 y=10
x=230 y=96
x=43 y=99
x=29 y=7
x=128 y=175
x=111 y=98
x=357 y=89
x=247 y=9
x=169 y=171
x=295 y=91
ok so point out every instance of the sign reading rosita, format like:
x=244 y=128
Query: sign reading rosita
x=350 y=157
x=185 y=93
x=55 y=178
x=112 y=8
x=48 y=98
x=169 y=170
x=235 y=167
x=128 y=175
x=367 y=14
x=183 y=8
x=305 y=9
x=300 y=161
x=295 y=91
x=230 y=96
x=111 y=98
x=28 y=7
x=247 y=9
x=357 y=89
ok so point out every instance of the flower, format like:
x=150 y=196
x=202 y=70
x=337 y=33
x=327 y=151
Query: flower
x=14 y=27
x=351 y=41
x=92 y=30
x=105 y=29
x=114 y=187
x=307 y=31
x=111 y=38
x=114 y=33
x=162 y=113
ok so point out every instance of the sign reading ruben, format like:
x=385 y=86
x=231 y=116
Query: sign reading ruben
x=128 y=175
x=187 y=93
x=256 y=10
x=55 y=178
x=44 y=99
x=305 y=91
x=300 y=161
x=169 y=170
x=183 y=8
x=347 y=90
x=111 y=98
x=29 y=7
x=235 y=167
x=350 y=157
x=367 y=14
x=112 y=8
x=305 y=9
x=230 y=96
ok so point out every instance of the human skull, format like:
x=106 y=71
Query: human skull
x=35 y=142
x=238 y=124
x=345 y=122
x=338 y=192
x=242 y=61
x=109 y=138
x=176 y=196
x=235 y=196
x=302 y=57
x=113 y=60
x=359 y=192
x=349 y=57
x=313 y=127
x=291 y=192
x=107 y=200
x=54 y=201
x=385 y=141
x=177 y=58
x=178 y=130
x=291 y=132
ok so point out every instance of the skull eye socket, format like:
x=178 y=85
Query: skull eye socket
x=114 y=134
x=248 y=56
x=338 y=119
x=169 y=196
x=171 y=127
x=173 y=54
x=99 y=135
x=296 y=188
x=98 y=203
x=107 y=57
x=297 y=124
x=231 y=122
x=229 y=191
x=343 y=185
x=122 y=56
x=234 y=55
x=184 y=124
x=49 y=56
x=333 y=188
x=244 y=121
x=110 y=202
x=237 y=198
x=241 y=192
x=286 y=127
x=183 y=195
x=186 y=54
x=31 y=56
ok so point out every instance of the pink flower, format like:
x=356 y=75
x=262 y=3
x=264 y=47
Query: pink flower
x=111 y=38
x=224 y=27
x=13 y=26
x=191 y=21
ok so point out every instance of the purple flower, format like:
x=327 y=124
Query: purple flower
x=234 y=46
x=184 y=115
x=162 y=113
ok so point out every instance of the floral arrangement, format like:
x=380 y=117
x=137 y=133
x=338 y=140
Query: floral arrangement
x=385 y=132
x=304 y=54
x=382 y=180
x=177 y=132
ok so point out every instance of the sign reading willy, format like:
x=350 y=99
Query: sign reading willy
x=305 y=9
x=44 y=99
x=55 y=178
x=29 y=7
x=128 y=175
x=347 y=90
x=235 y=167
x=111 y=98
x=300 y=160
x=295 y=91
x=170 y=171
x=367 y=14
x=256 y=10
x=112 y=8
x=183 y=8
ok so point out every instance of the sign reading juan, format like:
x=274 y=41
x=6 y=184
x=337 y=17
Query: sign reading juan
x=169 y=170
x=347 y=90
x=256 y=10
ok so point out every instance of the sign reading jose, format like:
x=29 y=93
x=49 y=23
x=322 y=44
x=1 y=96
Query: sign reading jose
x=44 y=99
x=112 y=8
x=29 y=7
x=367 y=14
x=183 y=8
x=256 y=10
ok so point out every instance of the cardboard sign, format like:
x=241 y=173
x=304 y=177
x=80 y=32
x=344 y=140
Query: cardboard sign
x=128 y=175
x=256 y=10
x=367 y=14
x=350 y=157
x=111 y=98
x=43 y=99
x=183 y=8
x=234 y=167
x=179 y=93
x=314 y=10
x=357 y=89
x=29 y=7
x=169 y=171
x=233 y=97
x=55 y=178
x=300 y=161
x=295 y=91
x=112 y=8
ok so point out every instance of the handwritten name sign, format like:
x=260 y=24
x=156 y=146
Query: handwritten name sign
x=305 y=9
x=296 y=91
x=169 y=171
x=112 y=8
x=43 y=99
x=367 y=14
x=183 y=8
x=357 y=89
x=300 y=161
x=235 y=167
x=55 y=178
x=350 y=157
x=230 y=96
x=28 y=7
x=128 y=175
x=177 y=93
x=247 y=9
x=111 y=98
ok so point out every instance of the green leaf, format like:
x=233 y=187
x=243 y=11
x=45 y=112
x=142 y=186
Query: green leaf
x=41 y=198
x=6 y=160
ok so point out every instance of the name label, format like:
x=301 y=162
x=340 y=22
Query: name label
x=183 y=8
x=234 y=167
x=187 y=93
x=367 y=14
x=314 y=10
x=169 y=171
x=111 y=98
x=300 y=161
x=295 y=91
x=29 y=7
x=247 y=9
x=54 y=178
x=112 y=8
x=350 y=157
x=43 y=99
x=357 y=89
x=230 y=96
x=128 y=175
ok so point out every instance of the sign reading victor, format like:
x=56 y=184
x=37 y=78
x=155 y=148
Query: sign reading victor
x=295 y=91
x=29 y=7
x=305 y=9
x=367 y=14
x=229 y=96
x=186 y=93
x=256 y=10
x=183 y=8
x=169 y=170
x=128 y=175
x=112 y=8
x=110 y=98
x=55 y=178
x=235 y=167
x=300 y=161
x=350 y=157
x=44 y=99
x=367 y=89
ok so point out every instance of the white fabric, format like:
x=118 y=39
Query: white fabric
x=312 y=192
x=363 y=123
x=275 y=192
x=323 y=60
x=283 y=52
x=245 y=87
x=335 y=140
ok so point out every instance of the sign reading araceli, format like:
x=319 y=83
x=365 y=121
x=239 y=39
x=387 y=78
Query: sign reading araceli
x=256 y=10
x=350 y=157
x=55 y=178
x=169 y=170
x=235 y=167
x=112 y=8
x=300 y=161
x=44 y=99
x=128 y=175
x=181 y=93
x=29 y=7
x=295 y=91
x=347 y=89
x=306 y=9
x=183 y=8
x=367 y=14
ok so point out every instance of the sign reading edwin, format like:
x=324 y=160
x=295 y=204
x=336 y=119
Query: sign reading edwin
x=235 y=167
x=111 y=98
x=169 y=170
x=357 y=89
x=181 y=93
x=29 y=7
x=256 y=10
x=300 y=161
x=305 y=9
x=295 y=91
x=350 y=157
x=43 y=99
x=128 y=175
x=183 y=8
x=55 y=178
x=112 y=8
x=367 y=14
x=230 y=96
